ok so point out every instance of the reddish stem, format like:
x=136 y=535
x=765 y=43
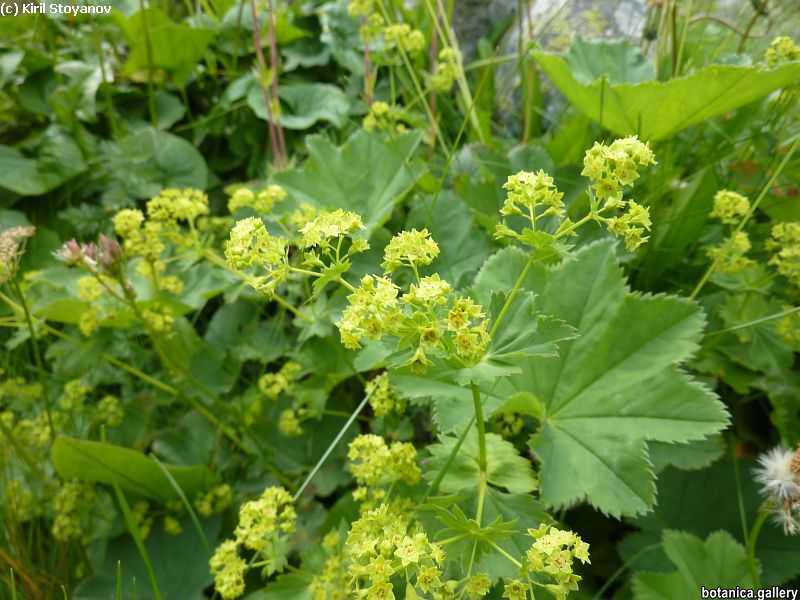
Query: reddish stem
x=273 y=138
x=274 y=59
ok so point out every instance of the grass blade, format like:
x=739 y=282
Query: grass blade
x=186 y=503
x=133 y=528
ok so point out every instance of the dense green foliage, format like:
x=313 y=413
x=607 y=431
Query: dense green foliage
x=299 y=300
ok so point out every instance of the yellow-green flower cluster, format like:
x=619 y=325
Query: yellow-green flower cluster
x=612 y=168
x=730 y=255
x=89 y=288
x=785 y=245
x=259 y=520
x=251 y=245
x=360 y=8
x=273 y=385
x=382 y=117
x=140 y=238
x=631 y=225
x=467 y=322
x=516 y=590
x=382 y=543
x=375 y=464
x=478 y=586
x=215 y=500
x=403 y=37
x=382 y=398
x=446 y=71
x=429 y=320
x=329 y=225
x=527 y=191
x=302 y=214
x=371 y=313
x=552 y=555
x=228 y=569
x=788 y=328
x=142 y=517
x=781 y=50
x=290 y=422
x=412 y=249
x=263 y=525
x=331 y=582
x=72 y=506
x=173 y=205
x=18 y=502
x=109 y=411
x=74 y=395
x=35 y=432
x=532 y=196
x=262 y=202
x=729 y=207
x=159 y=321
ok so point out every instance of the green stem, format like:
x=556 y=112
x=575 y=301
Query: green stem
x=506 y=554
x=24 y=305
x=755 y=531
x=767 y=186
x=37 y=355
x=482 y=462
x=511 y=296
x=434 y=486
x=212 y=257
x=771 y=317
x=331 y=447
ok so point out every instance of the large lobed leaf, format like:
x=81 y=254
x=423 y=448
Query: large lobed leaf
x=655 y=110
x=366 y=175
x=610 y=390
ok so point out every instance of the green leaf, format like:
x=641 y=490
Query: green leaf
x=84 y=80
x=612 y=389
x=306 y=104
x=678 y=222
x=173 y=47
x=655 y=110
x=505 y=467
x=367 y=175
x=185 y=578
x=703 y=501
x=694 y=455
x=719 y=561
x=58 y=160
x=147 y=161
x=758 y=346
x=132 y=470
x=524 y=332
x=618 y=60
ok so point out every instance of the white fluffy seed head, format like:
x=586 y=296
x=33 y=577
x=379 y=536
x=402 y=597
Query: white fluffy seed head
x=787 y=517
x=776 y=475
